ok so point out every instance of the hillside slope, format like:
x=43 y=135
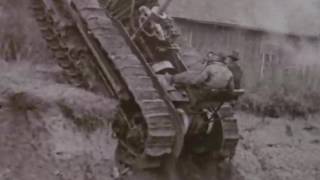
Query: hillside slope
x=45 y=134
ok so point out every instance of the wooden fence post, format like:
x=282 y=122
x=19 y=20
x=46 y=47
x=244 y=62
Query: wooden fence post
x=262 y=67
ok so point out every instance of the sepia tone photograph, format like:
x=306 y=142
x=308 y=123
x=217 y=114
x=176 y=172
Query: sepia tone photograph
x=160 y=89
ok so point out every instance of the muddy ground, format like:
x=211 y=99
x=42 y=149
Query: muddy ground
x=43 y=137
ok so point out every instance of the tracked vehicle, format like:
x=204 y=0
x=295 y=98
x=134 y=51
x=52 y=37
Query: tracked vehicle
x=124 y=49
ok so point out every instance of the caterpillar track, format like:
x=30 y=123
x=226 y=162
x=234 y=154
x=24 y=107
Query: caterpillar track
x=55 y=44
x=102 y=46
x=68 y=48
x=155 y=109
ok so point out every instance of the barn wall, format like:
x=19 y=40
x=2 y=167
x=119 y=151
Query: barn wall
x=225 y=39
x=261 y=53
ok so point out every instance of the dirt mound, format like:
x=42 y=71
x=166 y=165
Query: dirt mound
x=41 y=134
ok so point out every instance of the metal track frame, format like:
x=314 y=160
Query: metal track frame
x=109 y=48
x=160 y=122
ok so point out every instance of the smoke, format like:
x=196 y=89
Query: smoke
x=307 y=55
x=286 y=16
x=296 y=17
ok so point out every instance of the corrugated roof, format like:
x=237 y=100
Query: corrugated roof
x=300 y=17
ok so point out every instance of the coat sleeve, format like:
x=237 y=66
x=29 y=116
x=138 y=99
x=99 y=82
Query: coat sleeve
x=202 y=77
x=183 y=78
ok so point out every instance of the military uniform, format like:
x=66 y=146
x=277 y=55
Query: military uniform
x=235 y=69
x=215 y=75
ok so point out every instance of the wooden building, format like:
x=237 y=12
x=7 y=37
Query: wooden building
x=265 y=33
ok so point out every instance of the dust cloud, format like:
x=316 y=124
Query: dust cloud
x=291 y=17
x=286 y=16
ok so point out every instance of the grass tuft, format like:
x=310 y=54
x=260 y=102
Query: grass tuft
x=288 y=92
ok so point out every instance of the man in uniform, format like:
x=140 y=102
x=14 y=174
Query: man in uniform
x=234 y=67
x=214 y=76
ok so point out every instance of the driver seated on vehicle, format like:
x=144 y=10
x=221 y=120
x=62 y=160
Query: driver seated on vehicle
x=214 y=76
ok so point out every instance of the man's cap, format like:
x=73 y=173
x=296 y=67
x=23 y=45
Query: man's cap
x=234 y=55
x=212 y=56
x=211 y=53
